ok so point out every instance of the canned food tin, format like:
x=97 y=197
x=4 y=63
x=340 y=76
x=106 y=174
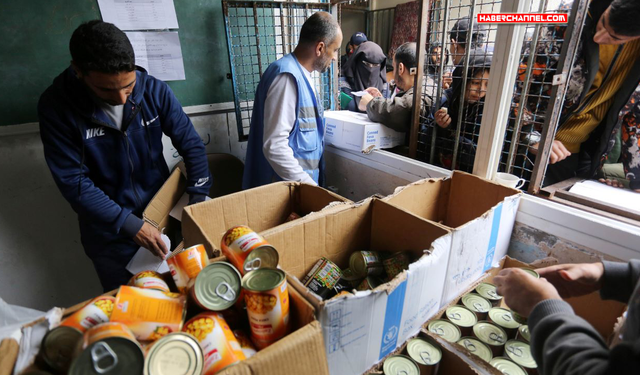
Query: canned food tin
x=106 y=330
x=95 y=312
x=58 y=347
x=519 y=318
x=400 y=365
x=238 y=242
x=370 y=282
x=245 y=343
x=395 y=263
x=445 y=329
x=219 y=345
x=477 y=304
x=507 y=367
x=426 y=354
x=187 y=264
x=492 y=335
x=523 y=334
x=531 y=272
x=267 y=298
x=476 y=347
x=111 y=356
x=366 y=263
x=149 y=280
x=150 y=314
x=348 y=275
x=489 y=292
x=520 y=353
x=322 y=278
x=462 y=317
x=504 y=319
x=217 y=287
x=175 y=353
x=265 y=256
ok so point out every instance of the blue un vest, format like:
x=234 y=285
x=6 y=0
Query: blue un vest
x=306 y=138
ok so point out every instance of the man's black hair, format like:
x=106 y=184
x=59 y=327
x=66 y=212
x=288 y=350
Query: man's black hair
x=101 y=47
x=459 y=34
x=320 y=27
x=406 y=54
x=624 y=16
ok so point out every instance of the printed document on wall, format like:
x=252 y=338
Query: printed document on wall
x=159 y=53
x=139 y=14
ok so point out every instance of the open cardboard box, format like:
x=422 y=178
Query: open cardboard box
x=479 y=213
x=359 y=329
x=260 y=209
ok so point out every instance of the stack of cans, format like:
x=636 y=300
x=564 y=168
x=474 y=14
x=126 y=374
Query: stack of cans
x=421 y=357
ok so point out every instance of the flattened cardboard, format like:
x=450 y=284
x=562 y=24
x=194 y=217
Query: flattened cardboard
x=158 y=209
x=361 y=329
x=354 y=131
x=260 y=209
x=480 y=214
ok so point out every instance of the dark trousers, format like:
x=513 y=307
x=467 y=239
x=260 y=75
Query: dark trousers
x=111 y=261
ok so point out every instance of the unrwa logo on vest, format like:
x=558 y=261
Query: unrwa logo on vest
x=95 y=132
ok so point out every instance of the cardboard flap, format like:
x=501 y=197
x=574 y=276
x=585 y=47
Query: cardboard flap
x=167 y=197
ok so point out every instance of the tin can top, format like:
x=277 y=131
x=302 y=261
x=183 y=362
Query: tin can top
x=358 y=262
x=461 y=316
x=490 y=333
x=263 y=280
x=520 y=353
x=476 y=347
x=424 y=352
x=400 y=365
x=523 y=332
x=445 y=329
x=175 y=353
x=58 y=346
x=531 y=272
x=111 y=356
x=507 y=367
x=476 y=303
x=488 y=291
x=503 y=318
x=217 y=286
x=264 y=256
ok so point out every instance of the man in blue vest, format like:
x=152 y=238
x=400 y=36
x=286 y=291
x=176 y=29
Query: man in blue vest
x=286 y=139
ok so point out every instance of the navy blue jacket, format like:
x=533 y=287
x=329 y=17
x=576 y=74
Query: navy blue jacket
x=110 y=175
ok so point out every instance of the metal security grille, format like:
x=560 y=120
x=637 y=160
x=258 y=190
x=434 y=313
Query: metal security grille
x=259 y=33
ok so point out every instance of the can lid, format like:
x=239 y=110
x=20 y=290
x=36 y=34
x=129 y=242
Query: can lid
x=348 y=275
x=424 y=352
x=263 y=280
x=476 y=347
x=531 y=272
x=357 y=264
x=524 y=332
x=217 y=286
x=476 y=303
x=265 y=256
x=175 y=353
x=400 y=365
x=445 y=329
x=461 y=316
x=488 y=291
x=507 y=367
x=519 y=318
x=111 y=356
x=503 y=318
x=490 y=334
x=520 y=353
x=59 y=345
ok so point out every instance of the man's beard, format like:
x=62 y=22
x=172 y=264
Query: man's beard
x=321 y=65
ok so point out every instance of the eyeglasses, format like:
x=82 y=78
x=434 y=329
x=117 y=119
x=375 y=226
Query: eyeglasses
x=370 y=65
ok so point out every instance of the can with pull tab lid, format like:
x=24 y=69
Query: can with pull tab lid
x=111 y=356
x=445 y=329
x=476 y=347
x=462 y=317
x=520 y=353
x=503 y=318
x=489 y=292
x=507 y=367
x=477 y=304
x=175 y=353
x=400 y=365
x=492 y=335
x=217 y=287
x=427 y=355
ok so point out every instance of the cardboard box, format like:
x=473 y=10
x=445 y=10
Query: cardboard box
x=361 y=329
x=480 y=215
x=260 y=208
x=354 y=131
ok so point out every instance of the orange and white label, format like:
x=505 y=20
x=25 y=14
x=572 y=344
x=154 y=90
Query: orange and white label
x=150 y=314
x=529 y=18
x=238 y=242
x=149 y=280
x=106 y=330
x=245 y=343
x=95 y=312
x=187 y=265
x=268 y=314
x=219 y=345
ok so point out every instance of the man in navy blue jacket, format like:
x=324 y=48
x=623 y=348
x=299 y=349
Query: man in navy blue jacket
x=101 y=123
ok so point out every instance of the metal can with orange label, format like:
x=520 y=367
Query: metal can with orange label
x=150 y=314
x=106 y=330
x=220 y=347
x=267 y=299
x=187 y=264
x=149 y=280
x=247 y=250
x=95 y=312
x=217 y=287
x=112 y=351
x=245 y=343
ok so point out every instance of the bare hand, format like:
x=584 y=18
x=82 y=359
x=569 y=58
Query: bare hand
x=149 y=238
x=442 y=118
x=446 y=80
x=558 y=152
x=373 y=92
x=521 y=291
x=613 y=183
x=364 y=101
x=573 y=280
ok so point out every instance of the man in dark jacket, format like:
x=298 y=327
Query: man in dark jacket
x=563 y=343
x=101 y=124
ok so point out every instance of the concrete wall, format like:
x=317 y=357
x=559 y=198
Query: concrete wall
x=384 y=4
x=352 y=22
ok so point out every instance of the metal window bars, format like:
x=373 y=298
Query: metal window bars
x=259 y=33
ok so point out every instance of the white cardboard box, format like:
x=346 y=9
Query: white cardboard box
x=354 y=131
